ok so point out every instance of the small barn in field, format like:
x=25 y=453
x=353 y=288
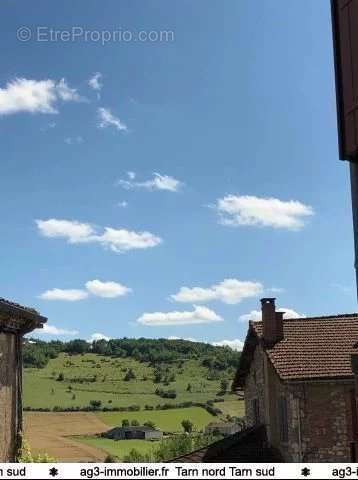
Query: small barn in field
x=141 y=432
x=15 y=322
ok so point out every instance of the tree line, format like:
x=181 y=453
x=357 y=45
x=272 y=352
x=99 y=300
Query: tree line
x=37 y=353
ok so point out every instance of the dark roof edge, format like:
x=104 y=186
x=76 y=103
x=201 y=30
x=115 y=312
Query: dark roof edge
x=251 y=341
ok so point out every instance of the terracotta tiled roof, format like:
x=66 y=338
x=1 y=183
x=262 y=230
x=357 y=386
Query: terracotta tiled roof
x=318 y=347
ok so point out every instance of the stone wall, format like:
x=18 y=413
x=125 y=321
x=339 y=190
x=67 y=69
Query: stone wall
x=326 y=422
x=8 y=396
x=254 y=389
x=318 y=413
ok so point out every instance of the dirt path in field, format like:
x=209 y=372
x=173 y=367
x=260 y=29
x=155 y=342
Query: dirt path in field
x=50 y=433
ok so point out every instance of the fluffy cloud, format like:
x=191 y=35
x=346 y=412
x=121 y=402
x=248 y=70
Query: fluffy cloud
x=98 y=336
x=121 y=240
x=117 y=240
x=237 y=210
x=22 y=95
x=95 y=81
x=198 y=315
x=70 y=295
x=255 y=315
x=52 y=330
x=158 y=182
x=234 y=344
x=122 y=204
x=230 y=291
x=107 y=119
x=107 y=289
x=73 y=231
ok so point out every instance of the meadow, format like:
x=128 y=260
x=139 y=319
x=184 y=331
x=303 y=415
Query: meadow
x=94 y=377
x=80 y=381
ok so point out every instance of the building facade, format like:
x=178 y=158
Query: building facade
x=15 y=321
x=298 y=382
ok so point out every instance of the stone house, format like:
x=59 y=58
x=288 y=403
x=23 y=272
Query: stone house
x=298 y=383
x=15 y=321
x=141 y=432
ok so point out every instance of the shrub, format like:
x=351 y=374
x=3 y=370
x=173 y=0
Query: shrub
x=130 y=375
x=95 y=404
x=24 y=455
x=187 y=426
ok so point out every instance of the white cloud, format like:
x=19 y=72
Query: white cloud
x=121 y=240
x=74 y=140
x=230 y=291
x=107 y=119
x=52 y=330
x=122 y=204
x=95 y=81
x=198 y=316
x=73 y=231
x=158 y=182
x=234 y=344
x=188 y=339
x=255 y=315
x=131 y=175
x=237 y=210
x=66 y=93
x=70 y=295
x=107 y=289
x=117 y=240
x=98 y=336
x=23 y=95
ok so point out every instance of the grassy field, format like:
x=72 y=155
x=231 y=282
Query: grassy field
x=232 y=406
x=72 y=436
x=118 y=448
x=166 y=420
x=92 y=377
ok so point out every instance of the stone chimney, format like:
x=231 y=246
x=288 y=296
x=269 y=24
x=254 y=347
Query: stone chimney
x=272 y=322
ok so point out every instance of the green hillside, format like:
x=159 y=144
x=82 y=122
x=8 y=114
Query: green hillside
x=128 y=374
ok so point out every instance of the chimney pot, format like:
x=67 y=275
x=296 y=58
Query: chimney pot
x=272 y=322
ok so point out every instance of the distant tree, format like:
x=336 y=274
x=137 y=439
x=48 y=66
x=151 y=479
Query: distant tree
x=73 y=396
x=149 y=423
x=135 y=423
x=77 y=346
x=224 y=384
x=130 y=375
x=188 y=388
x=60 y=377
x=125 y=423
x=100 y=346
x=158 y=375
x=95 y=404
x=187 y=426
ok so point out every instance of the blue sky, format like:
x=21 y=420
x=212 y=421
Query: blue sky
x=160 y=188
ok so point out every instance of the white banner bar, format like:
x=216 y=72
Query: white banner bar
x=178 y=470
